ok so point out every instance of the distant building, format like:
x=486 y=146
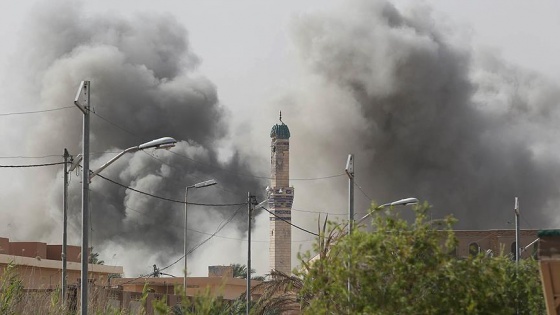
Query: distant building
x=220 y=282
x=39 y=265
x=280 y=199
x=495 y=242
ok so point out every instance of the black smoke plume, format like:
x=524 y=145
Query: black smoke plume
x=428 y=116
x=144 y=85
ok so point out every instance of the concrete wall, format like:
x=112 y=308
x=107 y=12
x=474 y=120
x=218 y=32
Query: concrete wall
x=220 y=271
x=29 y=249
x=37 y=273
x=73 y=253
x=228 y=288
x=4 y=245
x=39 y=265
x=499 y=242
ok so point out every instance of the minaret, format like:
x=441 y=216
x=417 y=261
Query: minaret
x=280 y=198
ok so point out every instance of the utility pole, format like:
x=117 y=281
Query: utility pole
x=185 y=251
x=517 y=250
x=82 y=101
x=85 y=206
x=250 y=201
x=64 y=226
x=517 y=246
x=350 y=173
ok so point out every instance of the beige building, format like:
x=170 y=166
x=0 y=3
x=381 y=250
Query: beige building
x=220 y=282
x=280 y=199
x=39 y=265
x=495 y=242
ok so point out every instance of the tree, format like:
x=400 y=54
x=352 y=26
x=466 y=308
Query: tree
x=240 y=271
x=406 y=268
x=94 y=258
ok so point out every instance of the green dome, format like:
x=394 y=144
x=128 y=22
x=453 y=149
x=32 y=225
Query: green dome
x=280 y=131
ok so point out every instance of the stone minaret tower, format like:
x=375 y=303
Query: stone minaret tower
x=280 y=198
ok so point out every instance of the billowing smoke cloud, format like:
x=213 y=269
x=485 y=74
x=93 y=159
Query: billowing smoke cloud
x=144 y=86
x=427 y=116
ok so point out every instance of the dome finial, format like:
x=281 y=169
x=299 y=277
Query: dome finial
x=280 y=131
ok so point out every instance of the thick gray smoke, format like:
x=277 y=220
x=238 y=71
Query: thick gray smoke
x=427 y=116
x=144 y=86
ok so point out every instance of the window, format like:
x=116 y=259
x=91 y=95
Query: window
x=474 y=249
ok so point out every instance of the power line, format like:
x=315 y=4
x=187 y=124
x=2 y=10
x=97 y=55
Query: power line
x=116 y=125
x=51 y=155
x=290 y=223
x=251 y=175
x=319 y=212
x=363 y=192
x=172 y=200
x=191 y=250
x=318 y=178
x=204 y=241
x=31 y=165
x=36 y=111
x=207 y=233
x=30 y=157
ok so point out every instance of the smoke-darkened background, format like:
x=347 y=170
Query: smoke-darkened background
x=426 y=114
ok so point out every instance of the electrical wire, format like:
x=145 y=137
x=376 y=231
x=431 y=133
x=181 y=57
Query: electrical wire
x=251 y=175
x=116 y=125
x=205 y=233
x=204 y=241
x=30 y=157
x=171 y=200
x=52 y=155
x=319 y=212
x=363 y=192
x=290 y=223
x=31 y=165
x=36 y=111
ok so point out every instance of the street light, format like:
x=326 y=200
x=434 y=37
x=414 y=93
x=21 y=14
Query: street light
x=82 y=101
x=161 y=143
x=198 y=185
x=401 y=202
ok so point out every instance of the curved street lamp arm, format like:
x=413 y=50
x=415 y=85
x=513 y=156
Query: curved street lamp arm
x=402 y=202
x=161 y=143
x=104 y=166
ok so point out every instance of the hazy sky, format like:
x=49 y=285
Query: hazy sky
x=248 y=51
